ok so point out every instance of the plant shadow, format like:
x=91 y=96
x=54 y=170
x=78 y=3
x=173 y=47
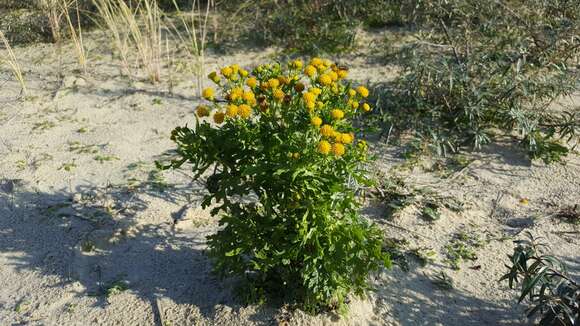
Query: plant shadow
x=103 y=240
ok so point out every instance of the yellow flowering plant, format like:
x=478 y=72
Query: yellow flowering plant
x=284 y=160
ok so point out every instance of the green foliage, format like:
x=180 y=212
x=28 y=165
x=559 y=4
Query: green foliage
x=552 y=293
x=482 y=67
x=283 y=166
x=462 y=247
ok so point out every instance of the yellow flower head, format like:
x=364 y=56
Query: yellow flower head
x=243 y=73
x=337 y=114
x=309 y=97
x=273 y=83
x=346 y=138
x=310 y=71
x=316 y=121
x=324 y=147
x=327 y=130
x=338 y=149
x=227 y=71
x=354 y=104
x=245 y=111
x=252 y=82
x=319 y=104
x=351 y=92
x=208 y=93
x=218 y=117
x=315 y=90
x=363 y=91
x=202 y=111
x=333 y=75
x=310 y=106
x=236 y=93
x=248 y=96
x=235 y=68
x=297 y=64
x=316 y=62
x=342 y=73
x=213 y=76
x=337 y=136
x=325 y=79
x=279 y=94
x=232 y=110
x=366 y=107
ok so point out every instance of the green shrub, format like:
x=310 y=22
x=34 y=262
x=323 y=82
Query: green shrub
x=483 y=68
x=283 y=162
x=553 y=294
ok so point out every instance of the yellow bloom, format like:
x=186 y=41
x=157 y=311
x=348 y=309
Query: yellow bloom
x=342 y=73
x=208 y=93
x=245 y=111
x=346 y=138
x=283 y=80
x=236 y=93
x=252 y=82
x=295 y=156
x=316 y=121
x=319 y=104
x=366 y=107
x=351 y=92
x=310 y=105
x=363 y=91
x=310 y=71
x=327 y=130
x=297 y=64
x=235 y=68
x=309 y=97
x=337 y=114
x=338 y=149
x=232 y=110
x=324 y=147
x=202 y=111
x=337 y=136
x=316 y=91
x=227 y=71
x=248 y=96
x=218 y=117
x=213 y=76
x=333 y=75
x=279 y=94
x=273 y=83
x=325 y=79
x=243 y=72
x=316 y=61
x=354 y=104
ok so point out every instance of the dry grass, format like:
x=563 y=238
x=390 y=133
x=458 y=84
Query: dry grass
x=135 y=28
x=195 y=35
x=10 y=59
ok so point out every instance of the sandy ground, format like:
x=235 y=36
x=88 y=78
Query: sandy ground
x=87 y=232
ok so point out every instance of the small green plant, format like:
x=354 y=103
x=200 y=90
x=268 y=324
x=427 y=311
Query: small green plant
x=116 y=287
x=78 y=148
x=283 y=164
x=68 y=166
x=553 y=294
x=87 y=246
x=462 y=247
x=105 y=158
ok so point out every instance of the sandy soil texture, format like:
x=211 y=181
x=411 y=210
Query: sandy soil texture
x=92 y=234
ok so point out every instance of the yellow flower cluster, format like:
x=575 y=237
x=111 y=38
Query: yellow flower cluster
x=269 y=91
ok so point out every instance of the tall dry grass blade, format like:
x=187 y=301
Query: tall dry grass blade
x=12 y=62
x=76 y=36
